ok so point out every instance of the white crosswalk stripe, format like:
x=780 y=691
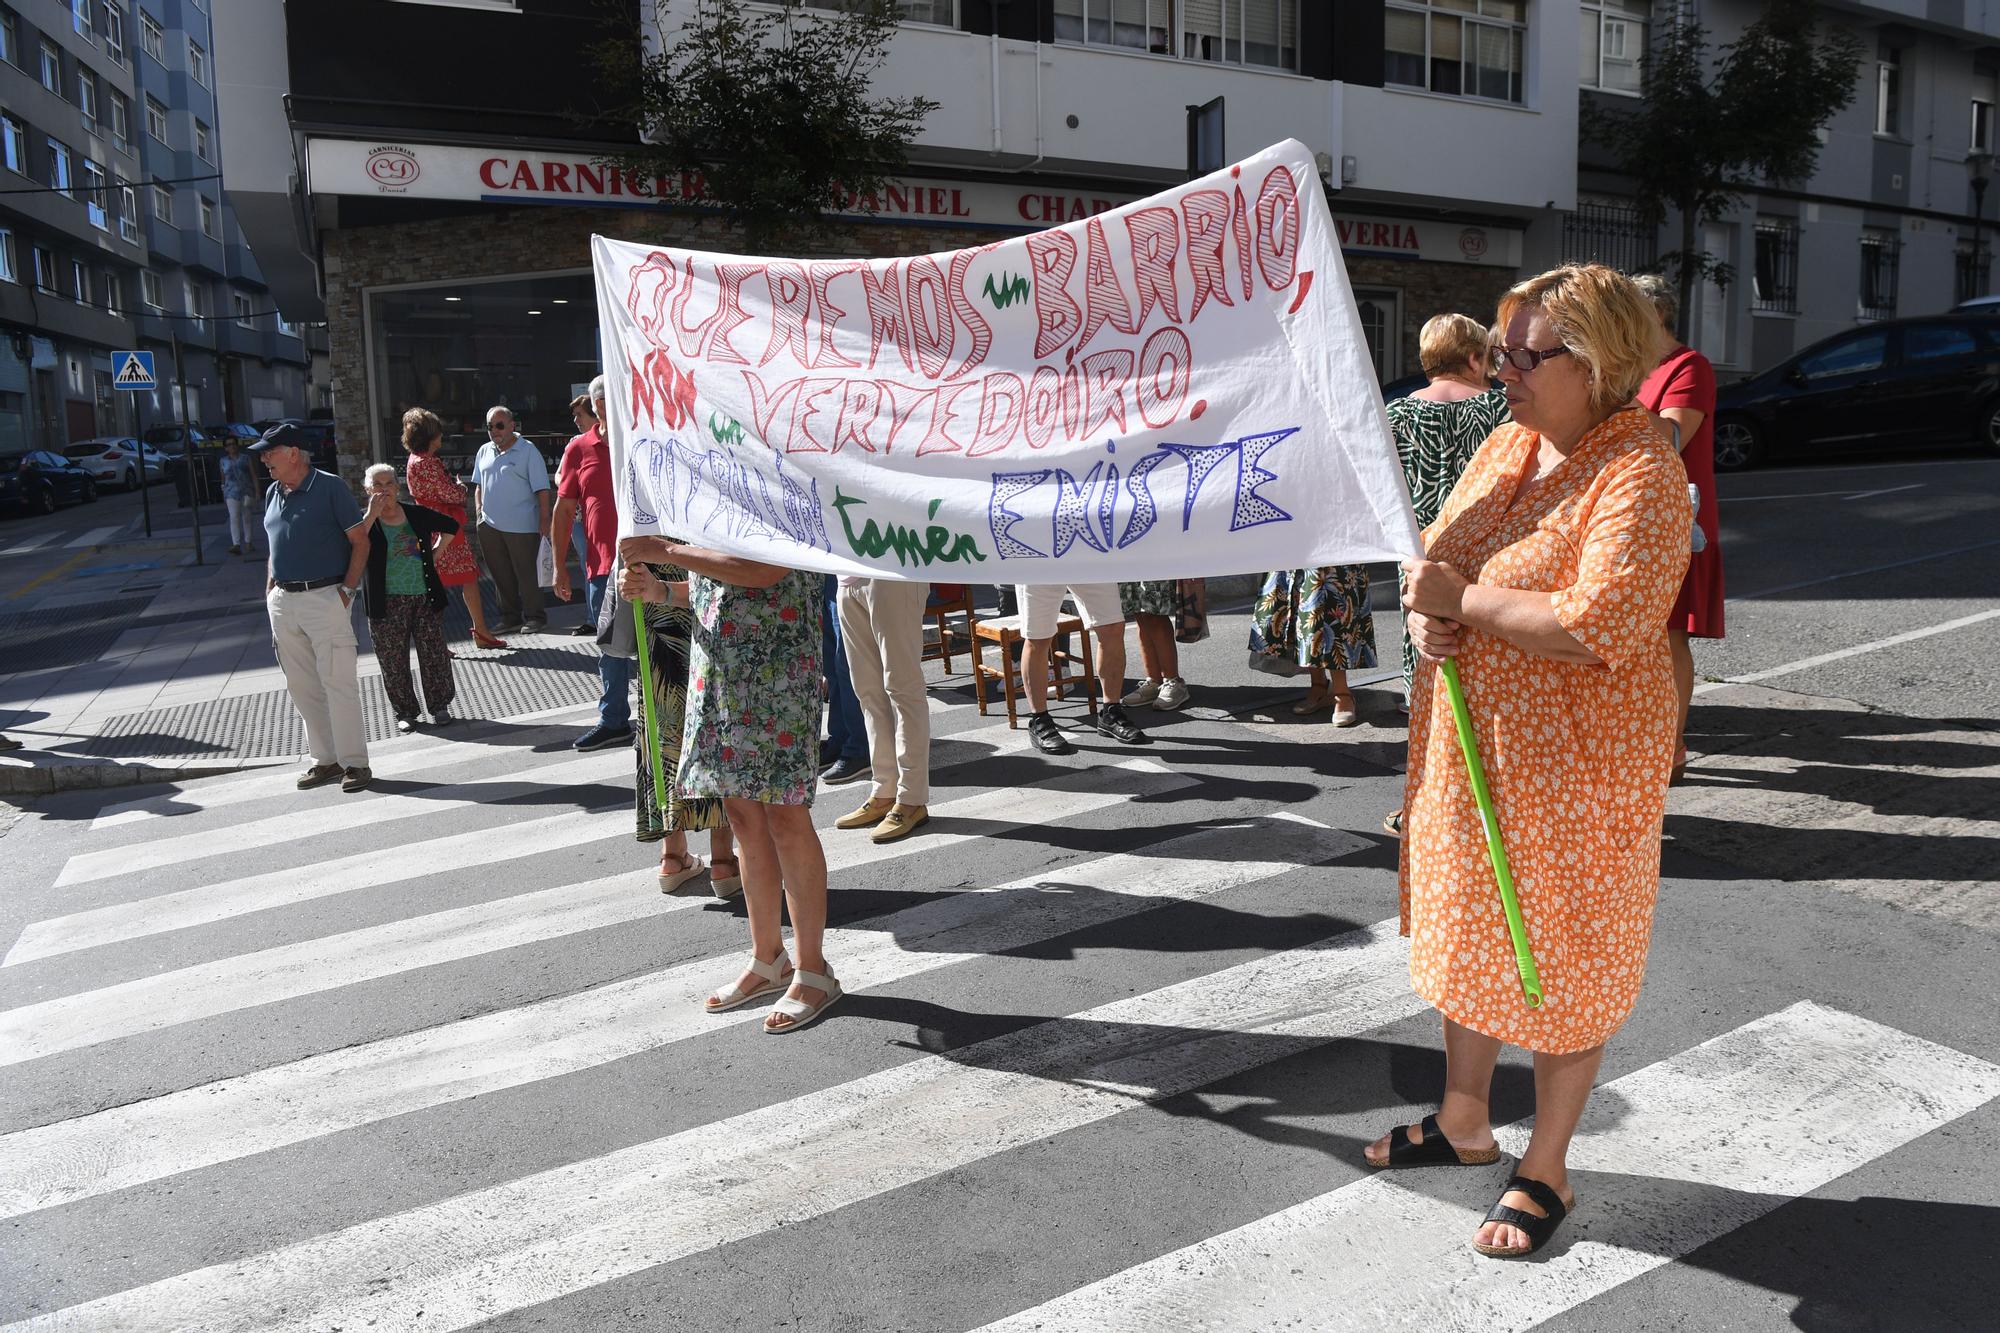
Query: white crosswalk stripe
x=1262 y=968
x=95 y=536
x=32 y=544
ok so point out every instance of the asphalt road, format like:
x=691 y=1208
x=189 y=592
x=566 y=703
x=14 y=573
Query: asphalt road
x=36 y=550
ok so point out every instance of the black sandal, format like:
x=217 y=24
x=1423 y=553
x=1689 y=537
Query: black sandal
x=1435 y=1150
x=1538 y=1229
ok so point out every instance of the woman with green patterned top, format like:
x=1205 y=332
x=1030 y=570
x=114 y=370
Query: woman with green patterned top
x=1441 y=426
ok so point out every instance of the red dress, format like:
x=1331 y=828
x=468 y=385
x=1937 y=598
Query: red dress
x=1685 y=379
x=432 y=486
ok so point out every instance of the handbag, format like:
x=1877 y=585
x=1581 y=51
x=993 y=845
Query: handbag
x=545 y=564
x=616 y=634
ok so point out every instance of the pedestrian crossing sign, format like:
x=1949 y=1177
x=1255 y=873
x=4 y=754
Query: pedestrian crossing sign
x=135 y=370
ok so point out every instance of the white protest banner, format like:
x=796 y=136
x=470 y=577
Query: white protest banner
x=1175 y=388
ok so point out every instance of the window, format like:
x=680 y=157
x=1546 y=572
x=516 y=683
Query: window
x=196 y=297
x=1937 y=342
x=15 y=135
x=1849 y=356
x=96 y=197
x=197 y=63
x=51 y=67
x=114 y=31
x=1614 y=43
x=79 y=16
x=45 y=270
x=1888 y=91
x=1984 y=95
x=121 y=119
x=1974 y=265
x=149 y=289
x=210 y=227
x=86 y=96
x=156 y=119
x=1462 y=48
x=10 y=37
x=7 y=273
x=128 y=210
x=1609 y=231
x=108 y=294
x=151 y=38
x=1235 y=32
x=163 y=204
x=941 y=12
x=59 y=177
x=1775 y=281
x=201 y=142
x=239 y=307
x=79 y=282
x=1880 y=255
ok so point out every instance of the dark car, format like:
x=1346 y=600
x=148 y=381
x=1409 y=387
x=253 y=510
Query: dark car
x=38 y=481
x=1908 y=381
x=173 y=440
x=1403 y=387
x=222 y=431
x=319 y=439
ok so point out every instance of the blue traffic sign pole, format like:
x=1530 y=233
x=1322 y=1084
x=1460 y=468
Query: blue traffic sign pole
x=143 y=362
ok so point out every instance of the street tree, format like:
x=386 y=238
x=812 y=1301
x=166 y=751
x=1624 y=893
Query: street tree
x=768 y=104
x=1705 y=130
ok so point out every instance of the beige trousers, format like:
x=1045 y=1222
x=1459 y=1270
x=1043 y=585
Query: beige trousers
x=314 y=635
x=882 y=631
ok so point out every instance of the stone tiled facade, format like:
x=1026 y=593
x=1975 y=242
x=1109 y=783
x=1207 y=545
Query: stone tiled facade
x=1432 y=288
x=509 y=241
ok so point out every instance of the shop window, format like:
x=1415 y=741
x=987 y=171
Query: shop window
x=1461 y=48
x=1775 y=278
x=1230 y=32
x=1610 y=231
x=1889 y=91
x=1881 y=255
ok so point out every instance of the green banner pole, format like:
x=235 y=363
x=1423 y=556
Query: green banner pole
x=646 y=703
x=1496 y=851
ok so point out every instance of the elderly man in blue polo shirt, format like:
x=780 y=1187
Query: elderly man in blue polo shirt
x=511 y=488
x=318 y=542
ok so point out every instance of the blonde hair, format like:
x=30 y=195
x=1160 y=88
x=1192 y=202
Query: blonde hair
x=1603 y=318
x=375 y=470
x=1448 y=342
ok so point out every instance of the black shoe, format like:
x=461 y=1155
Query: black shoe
x=1112 y=722
x=406 y=725
x=442 y=718
x=828 y=752
x=1046 y=736
x=578 y=631
x=600 y=736
x=842 y=771
x=236 y=550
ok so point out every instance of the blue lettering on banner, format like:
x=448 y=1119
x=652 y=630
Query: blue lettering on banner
x=1007 y=485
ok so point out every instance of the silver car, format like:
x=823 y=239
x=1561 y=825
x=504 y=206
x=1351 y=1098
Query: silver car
x=118 y=460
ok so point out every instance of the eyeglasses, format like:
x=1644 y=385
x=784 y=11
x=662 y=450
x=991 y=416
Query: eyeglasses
x=497 y=425
x=1525 y=359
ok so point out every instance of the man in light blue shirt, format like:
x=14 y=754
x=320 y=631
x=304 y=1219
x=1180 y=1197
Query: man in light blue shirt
x=511 y=494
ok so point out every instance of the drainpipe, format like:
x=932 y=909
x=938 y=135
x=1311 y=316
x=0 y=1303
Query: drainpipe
x=993 y=48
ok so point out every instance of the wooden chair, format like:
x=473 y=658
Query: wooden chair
x=1006 y=632
x=948 y=599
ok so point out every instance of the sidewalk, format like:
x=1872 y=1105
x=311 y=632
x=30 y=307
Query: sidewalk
x=139 y=665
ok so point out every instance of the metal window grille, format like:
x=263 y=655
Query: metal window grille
x=1881 y=257
x=1775 y=283
x=1974 y=270
x=1610 y=233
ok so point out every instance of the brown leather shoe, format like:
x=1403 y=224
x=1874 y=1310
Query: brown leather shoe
x=868 y=816
x=355 y=779
x=900 y=822
x=319 y=775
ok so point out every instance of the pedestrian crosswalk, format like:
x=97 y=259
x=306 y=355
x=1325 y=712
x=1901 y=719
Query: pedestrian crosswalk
x=260 y=1078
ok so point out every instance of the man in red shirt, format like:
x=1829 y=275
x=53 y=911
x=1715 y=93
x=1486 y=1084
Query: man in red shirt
x=586 y=485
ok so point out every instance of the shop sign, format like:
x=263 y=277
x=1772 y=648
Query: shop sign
x=1362 y=235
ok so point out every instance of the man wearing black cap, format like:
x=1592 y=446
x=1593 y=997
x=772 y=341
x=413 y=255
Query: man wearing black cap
x=318 y=542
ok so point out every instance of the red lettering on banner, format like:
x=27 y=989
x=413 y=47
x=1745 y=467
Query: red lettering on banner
x=858 y=410
x=486 y=170
x=1052 y=398
x=1105 y=375
x=1103 y=299
x=524 y=178
x=811 y=392
x=1166 y=353
x=887 y=320
x=829 y=314
x=968 y=314
x=661 y=391
x=1155 y=234
x=903 y=404
x=765 y=405
x=729 y=313
x=931 y=330
x=656 y=275
x=1239 y=224
x=693 y=339
x=999 y=414
x=1052 y=256
x=1278 y=229
x=1206 y=214
x=791 y=302
x=937 y=436
x=590 y=176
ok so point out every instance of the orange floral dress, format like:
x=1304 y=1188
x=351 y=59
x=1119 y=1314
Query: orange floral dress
x=1577 y=756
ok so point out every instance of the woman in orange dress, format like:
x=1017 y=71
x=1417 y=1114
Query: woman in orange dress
x=1550 y=573
x=431 y=486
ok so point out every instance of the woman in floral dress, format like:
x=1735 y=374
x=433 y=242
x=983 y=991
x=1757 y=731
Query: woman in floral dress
x=1318 y=620
x=669 y=648
x=1152 y=605
x=431 y=486
x=752 y=740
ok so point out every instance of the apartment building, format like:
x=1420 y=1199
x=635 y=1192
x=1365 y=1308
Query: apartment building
x=1893 y=221
x=241 y=360
x=70 y=246
x=419 y=176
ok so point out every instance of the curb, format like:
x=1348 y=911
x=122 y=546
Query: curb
x=41 y=780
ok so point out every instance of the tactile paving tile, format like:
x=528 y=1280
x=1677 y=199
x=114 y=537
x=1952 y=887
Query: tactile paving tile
x=254 y=726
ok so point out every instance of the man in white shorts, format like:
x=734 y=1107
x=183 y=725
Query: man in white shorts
x=1103 y=617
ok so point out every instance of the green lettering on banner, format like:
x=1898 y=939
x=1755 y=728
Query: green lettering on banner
x=1013 y=287
x=936 y=543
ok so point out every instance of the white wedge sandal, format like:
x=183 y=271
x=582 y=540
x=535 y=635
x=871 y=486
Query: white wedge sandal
x=799 y=1011
x=777 y=975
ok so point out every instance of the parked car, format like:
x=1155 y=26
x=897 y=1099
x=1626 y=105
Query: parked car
x=319 y=439
x=173 y=440
x=223 y=430
x=1978 y=305
x=1908 y=381
x=1403 y=386
x=116 y=461
x=38 y=481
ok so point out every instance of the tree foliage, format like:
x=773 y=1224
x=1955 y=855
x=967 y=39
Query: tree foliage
x=770 y=104
x=1706 y=130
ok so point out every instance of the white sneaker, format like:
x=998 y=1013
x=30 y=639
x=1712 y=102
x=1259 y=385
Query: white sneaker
x=1148 y=691
x=1173 y=694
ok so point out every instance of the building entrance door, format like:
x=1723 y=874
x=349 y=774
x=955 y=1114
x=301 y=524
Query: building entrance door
x=1382 y=325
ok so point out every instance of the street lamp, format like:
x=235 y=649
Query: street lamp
x=1979 y=171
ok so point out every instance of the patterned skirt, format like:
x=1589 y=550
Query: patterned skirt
x=669 y=634
x=1313 y=618
x=1150 y=597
